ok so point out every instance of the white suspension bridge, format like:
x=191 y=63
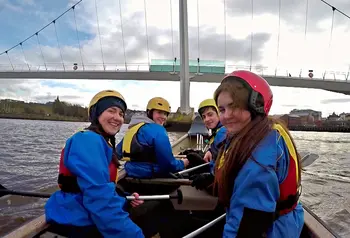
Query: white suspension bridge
x=16 y=64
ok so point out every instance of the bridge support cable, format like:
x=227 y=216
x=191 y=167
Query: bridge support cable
x=37 y=33
x=199 y=53
x=24 y=56
x=336 y=9
x=251 y=38
x=10 y=60
x=76 y=29
x=225 y=43
x=145 y=7
x=330 y=42
x=278 y=35
x=122 y=31
x=41 y=50
x=99 y=35
x=172 y=30
x=305 y=31
x=59 y=46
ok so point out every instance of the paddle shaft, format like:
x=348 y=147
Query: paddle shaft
x=164 y=181
x=203 y=228
x=4 y=191
x=191 y=169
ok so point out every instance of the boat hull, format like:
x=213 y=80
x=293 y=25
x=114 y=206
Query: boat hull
x=313 y=227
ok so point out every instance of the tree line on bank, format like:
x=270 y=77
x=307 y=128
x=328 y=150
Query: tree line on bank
x=56 y=110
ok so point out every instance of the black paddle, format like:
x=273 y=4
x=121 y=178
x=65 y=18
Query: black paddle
x=305 y=161
x=4 y=191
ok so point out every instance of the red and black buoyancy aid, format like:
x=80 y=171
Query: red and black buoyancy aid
x=67 y=182
x=289 y=188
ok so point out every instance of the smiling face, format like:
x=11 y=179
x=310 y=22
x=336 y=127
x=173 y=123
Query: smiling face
x=234 y=118
x=210 y=117
x=111 y=120
x=159 y=116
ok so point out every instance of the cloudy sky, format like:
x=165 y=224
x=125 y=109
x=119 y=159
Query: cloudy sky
x=218 y=39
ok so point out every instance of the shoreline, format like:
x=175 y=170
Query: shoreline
x=172 y=126
x=40 y=118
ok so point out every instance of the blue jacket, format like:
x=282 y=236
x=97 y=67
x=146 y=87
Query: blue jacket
x=256 y=190
x=87 y=155
x=215 y=146
x=152 y=135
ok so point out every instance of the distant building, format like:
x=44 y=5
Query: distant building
x=344 y=116
x=317 y=115
x=291 y=120
x=333 y=117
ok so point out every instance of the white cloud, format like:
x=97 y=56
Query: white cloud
x=294 y=51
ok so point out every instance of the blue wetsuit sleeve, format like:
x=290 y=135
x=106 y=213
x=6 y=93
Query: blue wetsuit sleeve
x=119 y=150
x=218 y=139
x=253 y=201
x=88 y=160
x=164 y=153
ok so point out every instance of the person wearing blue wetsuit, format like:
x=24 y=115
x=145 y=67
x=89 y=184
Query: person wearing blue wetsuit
x=87 y=204
x=146 y=146
x=257 y=174
x=209 y=112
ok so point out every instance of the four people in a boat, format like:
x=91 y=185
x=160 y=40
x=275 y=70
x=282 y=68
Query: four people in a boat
x=87 y=204
x=257 y=166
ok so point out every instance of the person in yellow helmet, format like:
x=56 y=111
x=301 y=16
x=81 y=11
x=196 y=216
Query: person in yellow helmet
x=146 y=146
x=87 y=204
x=209 y=112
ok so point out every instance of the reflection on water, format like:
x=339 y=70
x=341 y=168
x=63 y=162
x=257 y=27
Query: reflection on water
x=29 y=154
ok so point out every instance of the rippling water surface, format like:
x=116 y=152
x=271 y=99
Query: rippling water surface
x=29 y=154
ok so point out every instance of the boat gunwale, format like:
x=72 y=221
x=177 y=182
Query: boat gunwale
x=37 y=225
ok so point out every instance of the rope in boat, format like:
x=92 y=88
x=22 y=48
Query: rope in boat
x=122 y=32
x=99 y=34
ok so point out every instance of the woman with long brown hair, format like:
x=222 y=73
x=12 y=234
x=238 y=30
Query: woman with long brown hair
x=257 y=173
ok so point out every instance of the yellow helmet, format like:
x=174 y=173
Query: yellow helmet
x=208 y=103
x=103 y=94
x=159 y=104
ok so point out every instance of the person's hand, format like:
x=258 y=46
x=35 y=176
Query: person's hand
x=195 y=159
x=202 y=181
x=208 y=156
x=136 y=202
x=186 y=162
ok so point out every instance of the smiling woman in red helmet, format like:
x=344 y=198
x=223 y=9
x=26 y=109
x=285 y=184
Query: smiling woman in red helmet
x=257 y=173
x=87 y=204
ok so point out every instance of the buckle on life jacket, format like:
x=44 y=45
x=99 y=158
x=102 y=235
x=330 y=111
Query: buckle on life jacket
x=285 y=206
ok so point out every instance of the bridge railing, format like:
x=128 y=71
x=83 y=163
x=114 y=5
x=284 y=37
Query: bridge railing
x=318 y=74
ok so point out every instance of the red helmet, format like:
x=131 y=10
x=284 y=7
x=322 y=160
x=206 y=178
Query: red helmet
x=258 y=86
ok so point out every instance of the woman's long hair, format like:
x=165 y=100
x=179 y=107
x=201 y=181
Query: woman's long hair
x=244 y=143
x=110 y=139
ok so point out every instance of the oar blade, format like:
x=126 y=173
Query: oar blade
x=309 y=159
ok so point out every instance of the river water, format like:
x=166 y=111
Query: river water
x=29 y=154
